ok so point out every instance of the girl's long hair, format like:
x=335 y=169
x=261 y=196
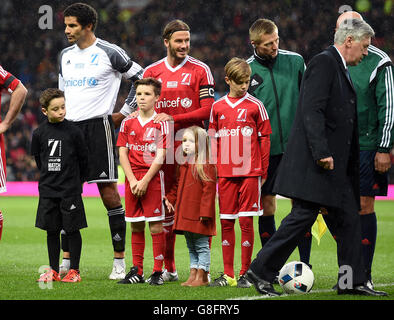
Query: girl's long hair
x=202 y=152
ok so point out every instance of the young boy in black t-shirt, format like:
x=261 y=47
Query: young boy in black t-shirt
x=61 y=155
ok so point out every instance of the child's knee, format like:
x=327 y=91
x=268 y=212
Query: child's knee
x=137 y=226
x=246 y=223
x=156 y=227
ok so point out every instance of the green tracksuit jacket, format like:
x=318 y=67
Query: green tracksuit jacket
x=373 y=80
x=276 y=82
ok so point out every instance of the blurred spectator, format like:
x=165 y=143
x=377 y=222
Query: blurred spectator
x=220 y=31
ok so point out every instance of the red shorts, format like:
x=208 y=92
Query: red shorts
x=3 y=165
x=149 y=207
x=239 y=197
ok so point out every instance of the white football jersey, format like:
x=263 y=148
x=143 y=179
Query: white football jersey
x=91 y=77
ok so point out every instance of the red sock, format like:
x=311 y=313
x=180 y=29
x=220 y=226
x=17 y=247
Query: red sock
x=247 y=242
x=138 y=248
x=169 y=257
x=228 y=244
x=158 y=250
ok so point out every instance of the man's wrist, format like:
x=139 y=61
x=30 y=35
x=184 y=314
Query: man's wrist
x=383 y=150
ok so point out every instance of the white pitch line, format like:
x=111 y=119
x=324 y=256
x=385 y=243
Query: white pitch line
x=266 y=296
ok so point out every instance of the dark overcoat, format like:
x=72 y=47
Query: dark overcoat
x=325 y=125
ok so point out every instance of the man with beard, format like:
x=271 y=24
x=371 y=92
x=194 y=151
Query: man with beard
x=186 y=98
x=275 y=80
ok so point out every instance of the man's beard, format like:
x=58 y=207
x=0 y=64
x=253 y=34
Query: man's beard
x=267 y=57
x=173 y=54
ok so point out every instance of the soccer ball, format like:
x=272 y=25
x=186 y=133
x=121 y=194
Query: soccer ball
x=296 y=277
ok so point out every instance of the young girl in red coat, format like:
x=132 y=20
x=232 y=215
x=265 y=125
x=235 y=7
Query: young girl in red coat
x=193 y=200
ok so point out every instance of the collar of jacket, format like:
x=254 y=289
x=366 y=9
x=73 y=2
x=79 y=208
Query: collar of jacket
x=266 y=62
x=336 y=56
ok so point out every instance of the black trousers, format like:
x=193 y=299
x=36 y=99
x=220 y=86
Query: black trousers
x=344 y=225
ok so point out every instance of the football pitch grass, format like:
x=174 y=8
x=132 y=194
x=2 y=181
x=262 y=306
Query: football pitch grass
x=23 y=252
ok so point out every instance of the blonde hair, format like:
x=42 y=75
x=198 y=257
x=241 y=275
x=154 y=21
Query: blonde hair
x=237 y=69
x=202 y=151
x=261 y=27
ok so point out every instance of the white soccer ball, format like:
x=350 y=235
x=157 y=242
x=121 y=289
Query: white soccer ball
x=296 y=277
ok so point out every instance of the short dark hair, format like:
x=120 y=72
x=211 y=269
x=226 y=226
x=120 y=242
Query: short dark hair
x=48 y=95
x=156 y=84
x=84 y=13
x=174 y=26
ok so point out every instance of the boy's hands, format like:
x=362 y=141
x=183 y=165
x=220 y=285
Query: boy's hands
x=139 y=188
x=168 y=204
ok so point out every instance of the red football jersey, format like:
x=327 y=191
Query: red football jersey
x=142 y=139
x=237 y=125
x=187 y=90
x=7 y=81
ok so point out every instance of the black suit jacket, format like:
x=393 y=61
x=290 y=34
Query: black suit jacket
x=325 y=125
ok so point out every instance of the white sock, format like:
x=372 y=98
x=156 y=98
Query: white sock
x=66 y=263
x=120 y=262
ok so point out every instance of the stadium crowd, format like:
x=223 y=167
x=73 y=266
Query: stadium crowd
x=219 y=32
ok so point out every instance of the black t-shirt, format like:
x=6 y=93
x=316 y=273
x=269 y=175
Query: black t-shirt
x=62 y=156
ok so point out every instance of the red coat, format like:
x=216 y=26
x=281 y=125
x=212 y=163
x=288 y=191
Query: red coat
x=194 y=198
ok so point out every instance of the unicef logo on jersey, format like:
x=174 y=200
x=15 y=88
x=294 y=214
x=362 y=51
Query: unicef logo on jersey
x=186 y=103
x=247 y=131
x=84 y=82
x=92 y=82
x=152 y=147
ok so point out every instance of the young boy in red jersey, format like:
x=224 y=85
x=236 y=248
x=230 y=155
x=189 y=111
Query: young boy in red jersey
x=186 y=98
x=142 y=146
x=241 y=128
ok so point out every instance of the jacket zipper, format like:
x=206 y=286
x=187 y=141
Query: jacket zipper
x=277 y=109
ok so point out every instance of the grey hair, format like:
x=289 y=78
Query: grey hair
x=355 y=28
